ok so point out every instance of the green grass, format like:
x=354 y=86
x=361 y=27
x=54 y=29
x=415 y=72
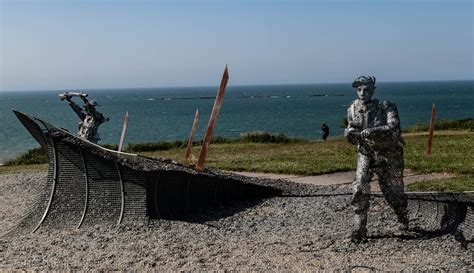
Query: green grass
x=456 y=184
x=450 y=153
x=453 y=152
x=304 y=157
x=24 y=168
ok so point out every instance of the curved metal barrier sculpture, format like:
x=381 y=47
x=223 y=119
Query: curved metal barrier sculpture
x=88 y=184
x=438 y=213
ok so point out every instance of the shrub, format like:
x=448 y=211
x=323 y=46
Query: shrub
x=443 y=124
x=265 y=137
x=33 y=156
x=221 y=140
x=462 y=124
x=344 y=123
x=113 y=147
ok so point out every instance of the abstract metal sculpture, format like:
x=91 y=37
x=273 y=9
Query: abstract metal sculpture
x=88 y=184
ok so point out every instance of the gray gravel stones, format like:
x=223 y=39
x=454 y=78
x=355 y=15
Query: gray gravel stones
x=281 y=233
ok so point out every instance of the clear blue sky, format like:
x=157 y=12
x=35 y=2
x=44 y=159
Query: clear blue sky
x=107 y=44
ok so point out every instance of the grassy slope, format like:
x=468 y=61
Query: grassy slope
x=23 y=168
x=305 y=158
x=456 y=184
x=452 y=152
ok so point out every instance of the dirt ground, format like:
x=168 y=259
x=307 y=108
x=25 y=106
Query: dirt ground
x=281 y=233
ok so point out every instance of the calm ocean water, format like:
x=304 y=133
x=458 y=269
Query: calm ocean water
x=167 y=113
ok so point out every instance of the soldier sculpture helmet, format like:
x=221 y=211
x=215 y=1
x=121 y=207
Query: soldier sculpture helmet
x=364 y=80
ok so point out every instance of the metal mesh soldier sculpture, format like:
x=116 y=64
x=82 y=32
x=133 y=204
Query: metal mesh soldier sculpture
x=375 y=128
x=91 y=118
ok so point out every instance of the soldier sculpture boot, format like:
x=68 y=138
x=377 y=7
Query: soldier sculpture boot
x=359 y=233
x=403 y=220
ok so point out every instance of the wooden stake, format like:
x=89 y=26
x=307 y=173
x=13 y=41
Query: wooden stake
x=212 y=120
x=124 y=129
x=191 y=135
x=432 y=125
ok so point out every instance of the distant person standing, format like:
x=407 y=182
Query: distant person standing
x=325 y=130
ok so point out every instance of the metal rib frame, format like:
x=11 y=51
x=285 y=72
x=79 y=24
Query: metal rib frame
x=435 y=217
x=55 y=175
x=122 y=191
x=86 y=174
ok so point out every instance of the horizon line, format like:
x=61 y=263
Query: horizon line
x=237 y=85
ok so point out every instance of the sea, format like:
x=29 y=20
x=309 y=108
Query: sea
x=157 y=114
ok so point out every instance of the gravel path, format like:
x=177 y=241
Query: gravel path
x=284 y=233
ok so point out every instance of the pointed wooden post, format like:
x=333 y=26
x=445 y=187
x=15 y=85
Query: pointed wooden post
x=432 y=125
x=212 y=120
x=191 y=135
x=124 y=129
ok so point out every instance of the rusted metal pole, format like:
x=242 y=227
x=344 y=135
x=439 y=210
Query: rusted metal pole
x=191 y=135
x=432 y=125
x=212 y=120
x=124 y=129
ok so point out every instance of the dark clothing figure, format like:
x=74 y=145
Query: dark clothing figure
x=91 y=118
x=375 y=128
x=325 y=130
